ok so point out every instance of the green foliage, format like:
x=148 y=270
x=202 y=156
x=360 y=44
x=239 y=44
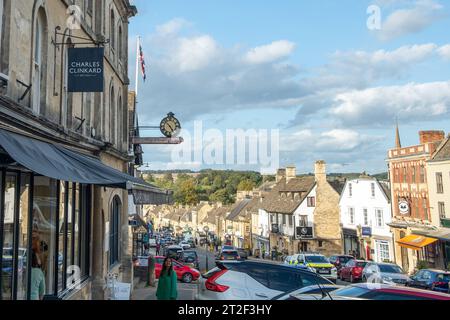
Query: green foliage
x=208 y=185
x=421 y=264
x=246 y=185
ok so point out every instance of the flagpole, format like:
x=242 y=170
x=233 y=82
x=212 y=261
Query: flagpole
x=137 y=65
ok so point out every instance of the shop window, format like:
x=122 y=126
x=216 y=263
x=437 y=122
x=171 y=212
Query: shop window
x=43 y=235
x=114 y=231
x=22 y=237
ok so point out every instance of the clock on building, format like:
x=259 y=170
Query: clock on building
x=170 y=126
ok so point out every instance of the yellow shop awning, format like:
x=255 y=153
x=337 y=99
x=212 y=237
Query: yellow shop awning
x=415 y=242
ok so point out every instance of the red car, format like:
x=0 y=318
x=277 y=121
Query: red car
x=352 y=271
x=184 y=273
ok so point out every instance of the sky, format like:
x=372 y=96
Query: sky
x=325 y=74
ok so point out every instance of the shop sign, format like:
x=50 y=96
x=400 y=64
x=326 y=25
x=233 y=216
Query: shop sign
x=304 y=233
x=85 y=70
x=403 y=207
x=366 y=231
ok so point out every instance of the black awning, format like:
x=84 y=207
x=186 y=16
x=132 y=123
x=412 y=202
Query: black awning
x=57 y=162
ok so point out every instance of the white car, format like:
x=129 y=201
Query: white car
x=185 y=245
x=252 y=280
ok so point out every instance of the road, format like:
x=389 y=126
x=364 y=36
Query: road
x=188 y=291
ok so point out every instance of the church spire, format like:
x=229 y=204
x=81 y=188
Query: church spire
x=398 y=143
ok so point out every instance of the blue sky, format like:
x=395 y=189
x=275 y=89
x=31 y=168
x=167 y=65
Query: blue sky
x=311 y=69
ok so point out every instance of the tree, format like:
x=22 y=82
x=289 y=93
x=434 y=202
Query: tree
x=185 y=193
x=246 y=185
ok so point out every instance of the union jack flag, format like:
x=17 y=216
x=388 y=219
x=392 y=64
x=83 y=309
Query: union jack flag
x=142 y=60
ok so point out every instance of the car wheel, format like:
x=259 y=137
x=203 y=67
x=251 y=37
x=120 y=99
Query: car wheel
x=187 y=278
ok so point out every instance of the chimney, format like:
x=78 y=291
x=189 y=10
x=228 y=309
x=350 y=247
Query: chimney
x=281 y=174
x=431 y=136
x=321 y=171
x=291 y=173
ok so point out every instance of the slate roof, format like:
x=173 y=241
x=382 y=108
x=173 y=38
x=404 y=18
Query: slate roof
x=337 y=184
x=443 y=152
x=238 y=208
x=277 y=202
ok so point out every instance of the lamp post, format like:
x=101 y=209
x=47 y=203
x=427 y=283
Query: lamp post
x=206 y=229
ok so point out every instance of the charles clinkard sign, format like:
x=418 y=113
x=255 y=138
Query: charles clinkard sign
x=85 y=70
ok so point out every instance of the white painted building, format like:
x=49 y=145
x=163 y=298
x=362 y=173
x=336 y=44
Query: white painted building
x=365 y=212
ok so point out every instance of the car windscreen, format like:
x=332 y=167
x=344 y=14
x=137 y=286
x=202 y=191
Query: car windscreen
x=361 y=264
x=344 y=260
x=189 y=254
x=316 y=259
x=230 y=254
x=385 y=268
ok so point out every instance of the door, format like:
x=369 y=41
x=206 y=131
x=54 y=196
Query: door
x=415 y=282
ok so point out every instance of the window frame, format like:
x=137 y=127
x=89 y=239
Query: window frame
x=379 y=217
x=372 y=189
x=1 y=24
x=439 y=183
x=441 y=209
x=114 y=231
x=351 y=215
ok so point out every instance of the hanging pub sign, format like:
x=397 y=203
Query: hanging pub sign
x=85 y=70
x=305 y=233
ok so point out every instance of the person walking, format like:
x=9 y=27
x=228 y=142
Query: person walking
x=158 y=248
x=37 y=278
x=167 y=283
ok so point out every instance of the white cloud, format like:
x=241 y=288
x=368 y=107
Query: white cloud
x=410 y=20
x=444 y=52
x=411 y=102
x=171 y=27
x=271 y=52
x=195 y=53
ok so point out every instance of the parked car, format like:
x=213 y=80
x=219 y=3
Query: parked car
x=173 y=252
x=253 y=280
x=430 y=279
x=229 y=255
x=184 y=273
x=352 y=271
x=367 y=291
x=192 y=243
x=386 y=273
x=190 y=258
x=314 y=289
x=242 y=253
x=339 y=261
x=185 y=245
x=316 y=262
x=226 y=247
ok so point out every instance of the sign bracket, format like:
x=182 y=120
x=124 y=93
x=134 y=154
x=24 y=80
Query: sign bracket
x=89 y=41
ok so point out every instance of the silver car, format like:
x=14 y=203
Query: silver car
x=385 y=273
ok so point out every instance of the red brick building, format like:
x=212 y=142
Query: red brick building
x=410 y=199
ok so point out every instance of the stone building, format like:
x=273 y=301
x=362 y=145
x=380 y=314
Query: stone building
x=64 y=157
x=411 y=200
x=304 y=203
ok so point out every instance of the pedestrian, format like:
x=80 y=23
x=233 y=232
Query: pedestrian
x=37 y=289
x=158 y=248
x=167 y=283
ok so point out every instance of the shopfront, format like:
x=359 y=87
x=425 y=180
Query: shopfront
x=351 y=242
x=46 y=216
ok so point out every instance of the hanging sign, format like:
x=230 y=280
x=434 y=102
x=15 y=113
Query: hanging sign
x=85 y=70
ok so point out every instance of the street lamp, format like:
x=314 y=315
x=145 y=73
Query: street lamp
x=206 y=229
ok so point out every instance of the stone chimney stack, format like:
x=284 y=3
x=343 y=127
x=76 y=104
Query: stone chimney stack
x=321 y=171
x=291 y=173
x=431 y=136
x=281 y=174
